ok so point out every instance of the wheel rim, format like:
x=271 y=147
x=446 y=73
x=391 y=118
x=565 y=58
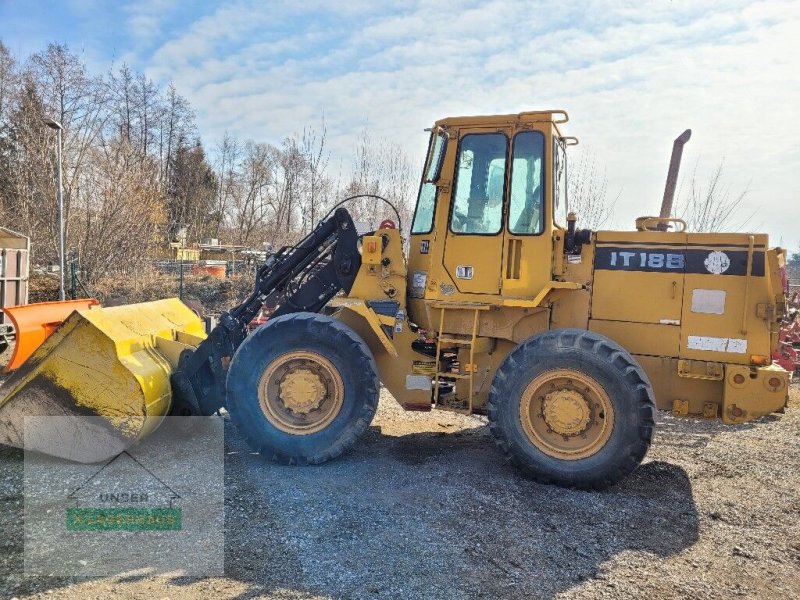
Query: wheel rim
x=301 y=392
x=566 y=414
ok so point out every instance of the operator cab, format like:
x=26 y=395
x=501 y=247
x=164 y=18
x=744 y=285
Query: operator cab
x=492 y=199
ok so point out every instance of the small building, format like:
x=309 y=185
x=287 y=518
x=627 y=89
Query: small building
x=177 y=251
x=211 y=249
x=15 y=250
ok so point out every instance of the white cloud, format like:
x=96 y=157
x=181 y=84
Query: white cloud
x=632 y=75
x=145 y=18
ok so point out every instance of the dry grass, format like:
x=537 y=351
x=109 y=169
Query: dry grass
x=215 y=295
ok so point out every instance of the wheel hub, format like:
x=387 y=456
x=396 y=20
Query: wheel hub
x=566 y=412
x=302 y=391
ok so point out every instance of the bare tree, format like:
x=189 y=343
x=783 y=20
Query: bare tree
x=315 y=159
x=227 y=152
x=382 y=169
x=587 y=187
x=149 y=107
x=28 y=197
x=120 y=213
x=9 y=86
x=135 y=166
x=175 y=128
x=272 y=194
x=123 y=104
x=8 y=81
x=116 y=131
x=250 y=206
x=77 y=100
x=288 y=190
x=714 y=206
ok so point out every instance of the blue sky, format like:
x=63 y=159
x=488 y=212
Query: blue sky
x=632 y=75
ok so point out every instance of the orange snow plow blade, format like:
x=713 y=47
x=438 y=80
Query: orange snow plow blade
x=34 y=323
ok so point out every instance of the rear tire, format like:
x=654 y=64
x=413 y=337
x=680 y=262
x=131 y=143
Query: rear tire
x=572 y=407
x=302 y=388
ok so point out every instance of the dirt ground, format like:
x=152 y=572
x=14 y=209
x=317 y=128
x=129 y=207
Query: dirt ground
x=426 y=507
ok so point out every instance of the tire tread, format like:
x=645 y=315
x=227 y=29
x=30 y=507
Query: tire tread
x=626 y=368
x=314 y=326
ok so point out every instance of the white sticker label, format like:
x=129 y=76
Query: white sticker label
x=711 y=302
x=715 y=344
x=464 y=271
x=736 y=345
x=418 y=281
x=418 y=382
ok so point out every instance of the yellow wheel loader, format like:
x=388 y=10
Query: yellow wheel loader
x=567 y=339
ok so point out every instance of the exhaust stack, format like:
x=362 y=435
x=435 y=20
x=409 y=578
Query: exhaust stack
x=672 y=176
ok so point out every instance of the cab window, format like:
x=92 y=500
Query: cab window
x=426 y=202
x=559 y=183
x=525 y=209
x=480 y=184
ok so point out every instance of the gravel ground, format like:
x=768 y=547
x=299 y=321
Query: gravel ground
x=426 y=507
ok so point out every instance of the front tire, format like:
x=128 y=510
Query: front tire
x=572 y=407
x=302 y=388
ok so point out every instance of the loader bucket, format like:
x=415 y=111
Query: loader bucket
x=34 y=323
x=112 y=364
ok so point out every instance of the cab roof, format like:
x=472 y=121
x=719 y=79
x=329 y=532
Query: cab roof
x=554 y=116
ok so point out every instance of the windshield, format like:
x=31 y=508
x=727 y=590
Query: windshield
x=480 y=183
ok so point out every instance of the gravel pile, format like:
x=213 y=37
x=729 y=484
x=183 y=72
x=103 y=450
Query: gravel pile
x=425 y=507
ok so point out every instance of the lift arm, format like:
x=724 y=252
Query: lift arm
x=298 y=278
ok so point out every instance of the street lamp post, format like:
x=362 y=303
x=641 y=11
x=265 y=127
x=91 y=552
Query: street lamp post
x=53 y=124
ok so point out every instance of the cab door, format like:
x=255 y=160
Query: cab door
x=473 y=250
x=528 y=248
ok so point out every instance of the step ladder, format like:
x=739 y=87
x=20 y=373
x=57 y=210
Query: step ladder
x=466 y=372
